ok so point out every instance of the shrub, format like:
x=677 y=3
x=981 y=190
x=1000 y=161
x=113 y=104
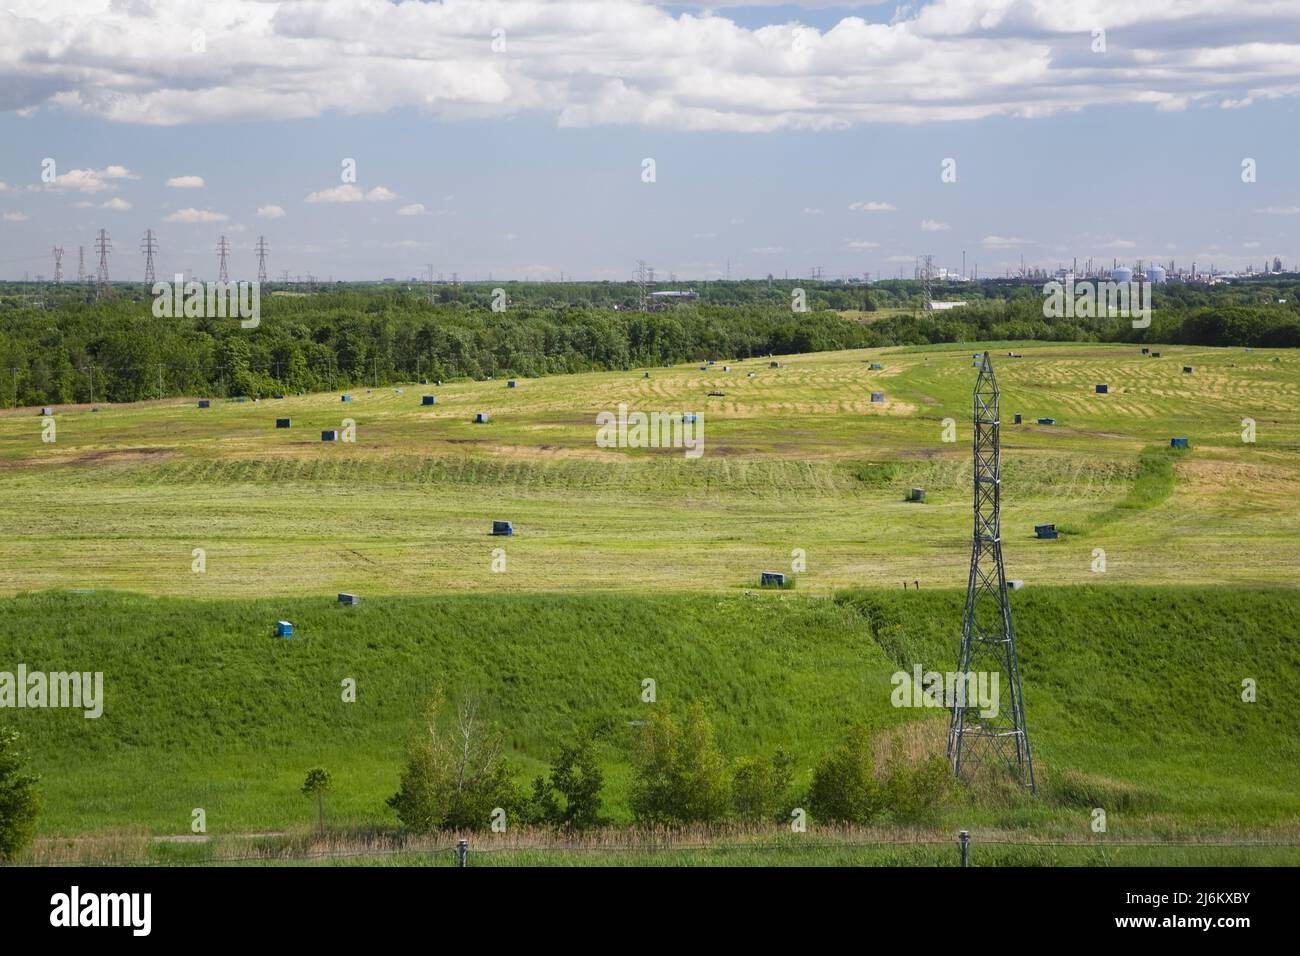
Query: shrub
x=915 y=792
x=20 y=799
x=760 y=787
x=844 y=787
x=681 y=777
x=577 y=778
x=454 y=780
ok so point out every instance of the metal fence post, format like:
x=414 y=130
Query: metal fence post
x=963 y=841
x=462 y=852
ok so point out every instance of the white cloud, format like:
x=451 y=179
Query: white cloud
x=15 y=217
x=768 y=250
x=92 y=180
x=1280 y=210
x=350 y=193
x=809 y=211
x=191 y=214
x=269 y=212
x=1121 y=244
x=4 y=186
x=861 y=244
x=1001 y=242
x=116 y=203
x=414 y=209
x=933 y=225
x=871 y=206
x=510 y=237
x=186 y=182
x=638 y=63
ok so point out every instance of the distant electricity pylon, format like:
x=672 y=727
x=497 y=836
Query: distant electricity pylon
x=149 y=245
x=430 y=283
x=223 y=250
x=103 y=287
x=979 y=731
x=57 y=252
x=81 y=265
x=261 y=259
x=643 y=280
x=927 y=277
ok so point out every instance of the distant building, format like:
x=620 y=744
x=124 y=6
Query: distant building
x=685 y=295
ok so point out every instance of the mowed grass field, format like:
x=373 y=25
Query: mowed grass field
x=795 y=457
x=1133 y=697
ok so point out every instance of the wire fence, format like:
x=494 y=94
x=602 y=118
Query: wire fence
x=463 y=851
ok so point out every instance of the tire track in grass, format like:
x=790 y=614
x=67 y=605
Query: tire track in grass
x=1153 y=485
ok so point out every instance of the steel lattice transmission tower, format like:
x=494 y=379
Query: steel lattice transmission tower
x=81 y=265
x=927 y=279
x=988 y=741
x=57 y=252
x=642 y=276
x=223 y=250
x=261 y=260
x=149 y=245
x=103 y=287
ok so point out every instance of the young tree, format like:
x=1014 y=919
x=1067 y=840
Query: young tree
x=317 y=785
x=20 y=799
x=681 y=776
x=844 y=787
x=760 y=787
x=576 y=774
x=454 y=779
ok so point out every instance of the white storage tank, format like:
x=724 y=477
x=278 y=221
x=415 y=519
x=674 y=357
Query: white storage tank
x=1121 y=274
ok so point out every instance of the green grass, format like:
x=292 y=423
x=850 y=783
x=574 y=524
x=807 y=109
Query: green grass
x=795 y=457
x=627 y=564
x=1132 y=695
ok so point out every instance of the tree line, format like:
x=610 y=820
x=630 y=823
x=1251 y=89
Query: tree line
x=116 y=350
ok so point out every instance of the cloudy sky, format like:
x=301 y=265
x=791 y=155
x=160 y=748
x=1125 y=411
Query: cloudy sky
x=366 y=138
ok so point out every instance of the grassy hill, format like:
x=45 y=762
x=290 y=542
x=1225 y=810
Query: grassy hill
x=1133 y=694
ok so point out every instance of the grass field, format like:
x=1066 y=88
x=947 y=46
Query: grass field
x=627 y=564
x=1135 y=692
x=795 y=457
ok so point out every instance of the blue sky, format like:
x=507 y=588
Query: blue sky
x=520 y=191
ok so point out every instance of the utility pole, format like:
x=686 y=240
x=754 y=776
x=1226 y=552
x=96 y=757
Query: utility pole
x=223 y=251
x=988 y=644
x=103 y=287
x=261 y=260
x=149 y=246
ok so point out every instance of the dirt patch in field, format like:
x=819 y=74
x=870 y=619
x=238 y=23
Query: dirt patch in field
x=108 y=456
